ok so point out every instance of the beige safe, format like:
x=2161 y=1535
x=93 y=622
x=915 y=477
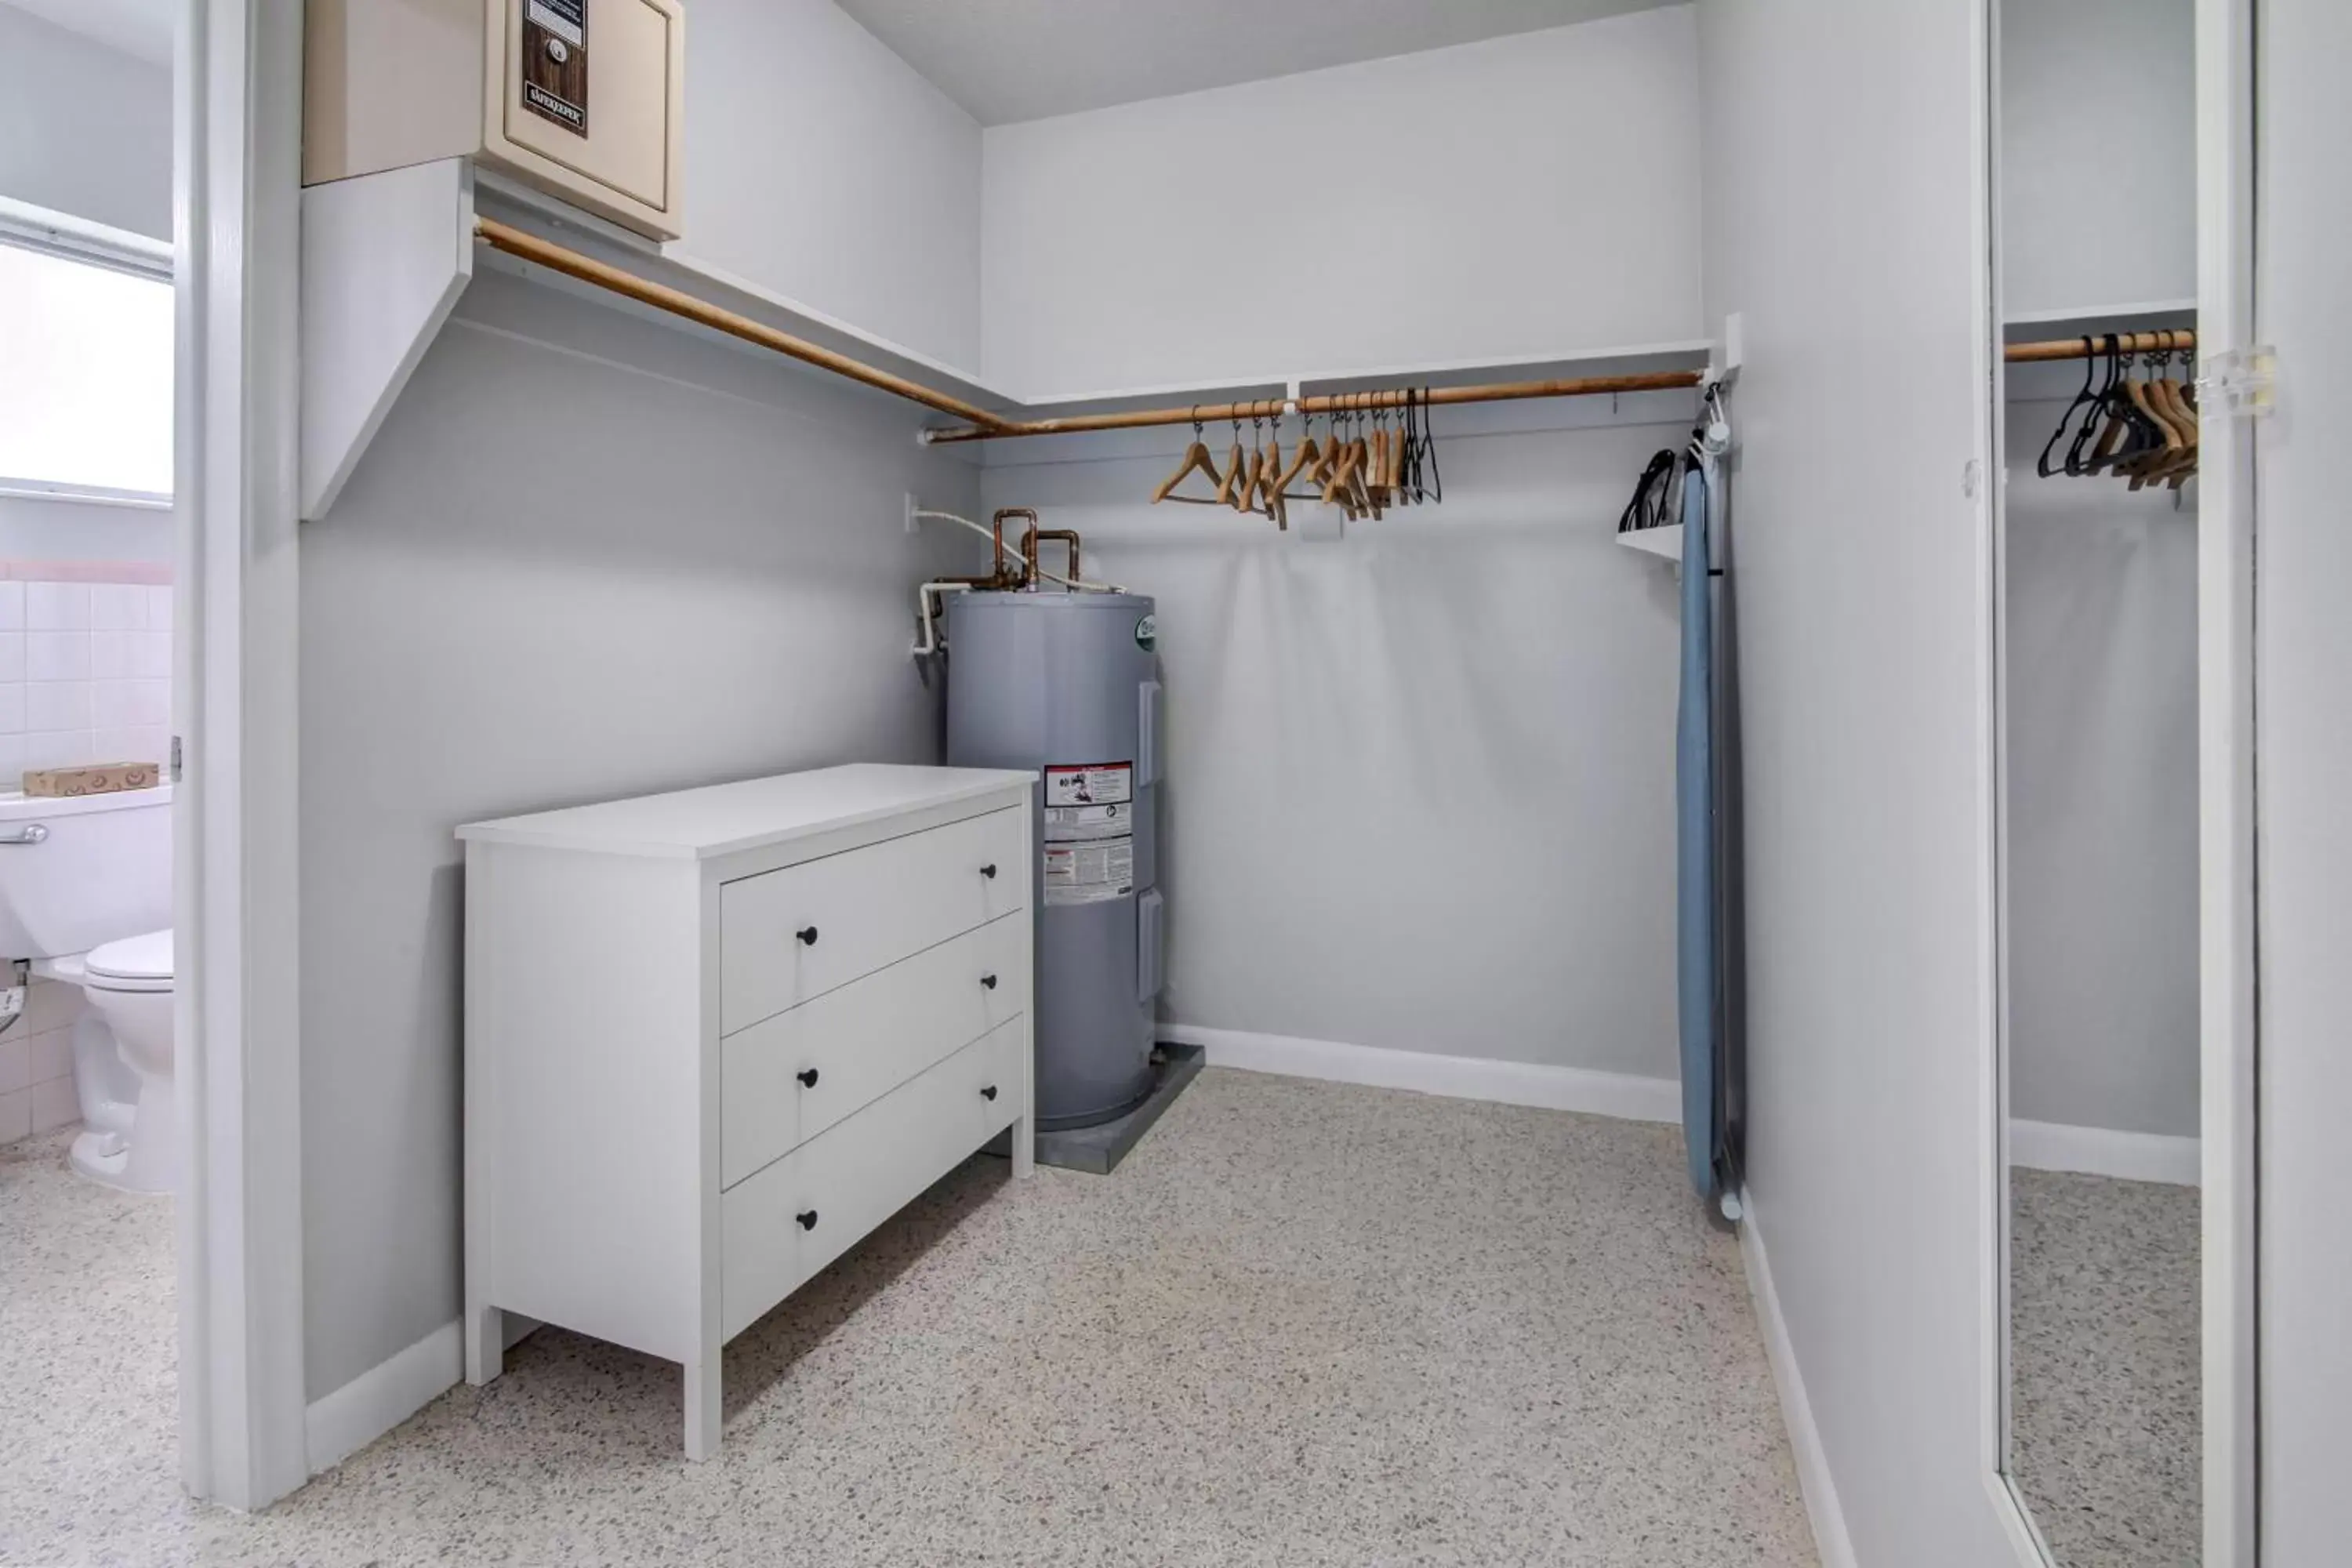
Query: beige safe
x=580 y=97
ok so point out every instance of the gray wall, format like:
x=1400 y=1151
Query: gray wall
x=84 y=129
x=2099 y=136
x=588 y=556
x=2102 y=795
x=1420 y=792
x=1839 y=221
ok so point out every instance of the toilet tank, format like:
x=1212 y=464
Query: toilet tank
x=98 y=867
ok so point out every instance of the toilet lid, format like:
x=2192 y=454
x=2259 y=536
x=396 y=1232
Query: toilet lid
x=147 y=957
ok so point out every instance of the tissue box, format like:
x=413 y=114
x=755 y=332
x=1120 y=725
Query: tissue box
x=99 y=778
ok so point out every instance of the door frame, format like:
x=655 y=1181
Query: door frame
x=236 y=194
x=2227 y=833
x=2229 y=1027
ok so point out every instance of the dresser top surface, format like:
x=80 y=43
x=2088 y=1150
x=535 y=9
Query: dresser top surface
x=755 y=814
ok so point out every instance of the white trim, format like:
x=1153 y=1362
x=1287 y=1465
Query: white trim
x=236 y=178
x=1623 y=1095
x=85 y=495
x=2103 y=1152
x=1426 y=370
x=2103 y=312
x=79 y=239
x=2227 y=519
x=383 y=1397
x=1813 y=1477
x=1992 y=1243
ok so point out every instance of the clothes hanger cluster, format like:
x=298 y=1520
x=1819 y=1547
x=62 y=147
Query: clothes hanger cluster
x=2141 y=427
x=1375 y=452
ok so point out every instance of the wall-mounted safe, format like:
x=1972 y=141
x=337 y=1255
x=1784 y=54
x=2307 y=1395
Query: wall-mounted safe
x=580 y=97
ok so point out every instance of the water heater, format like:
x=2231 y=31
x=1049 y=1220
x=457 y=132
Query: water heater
x=1067 y=685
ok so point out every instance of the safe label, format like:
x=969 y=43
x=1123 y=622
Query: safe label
x=555 y=61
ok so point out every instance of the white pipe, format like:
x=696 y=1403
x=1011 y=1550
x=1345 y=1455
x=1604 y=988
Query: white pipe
x=991 y=535
x=928 y=610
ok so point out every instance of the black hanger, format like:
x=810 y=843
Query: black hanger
x=1428 y=447
x=2088 y=433
x=1648 y=507
x=2082 y=399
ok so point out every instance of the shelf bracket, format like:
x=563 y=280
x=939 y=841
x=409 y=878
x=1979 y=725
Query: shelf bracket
x=384 y=258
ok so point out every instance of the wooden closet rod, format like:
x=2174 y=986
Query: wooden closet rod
x=588 y=269
x=981 y=425
x=1341 y=403
x=2094 y=345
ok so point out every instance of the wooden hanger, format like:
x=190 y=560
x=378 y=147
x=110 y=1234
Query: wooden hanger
x=1196 y=459
x=1228 y=492
x=2174 y=399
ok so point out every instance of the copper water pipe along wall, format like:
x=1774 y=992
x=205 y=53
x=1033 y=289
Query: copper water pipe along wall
x=1342 y=403
x=588 y=269
x=2094 y=345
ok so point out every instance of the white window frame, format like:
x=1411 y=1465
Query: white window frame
x=51 y=233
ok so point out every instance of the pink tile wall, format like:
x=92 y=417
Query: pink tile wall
x=85 y=665
x=37 y=1084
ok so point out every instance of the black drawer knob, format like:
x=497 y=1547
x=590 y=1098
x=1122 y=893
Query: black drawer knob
x=807 y=936
x=806 y=1218
x=988 y=1093
x=989 y=981
x=807 y=1076
x=989 y=870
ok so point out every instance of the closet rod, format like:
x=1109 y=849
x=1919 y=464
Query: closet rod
x=1341 y=403
x=530 y=247
x=984 y=425
x=2094 y=345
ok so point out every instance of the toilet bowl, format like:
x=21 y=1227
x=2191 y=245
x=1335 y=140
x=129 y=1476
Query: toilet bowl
x=78 y=876
x=129 y=984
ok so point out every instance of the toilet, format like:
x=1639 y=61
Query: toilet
x=86 y=895
x=129 y=984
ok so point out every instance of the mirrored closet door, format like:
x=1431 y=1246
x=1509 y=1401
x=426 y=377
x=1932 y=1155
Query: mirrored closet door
x=2099 y=905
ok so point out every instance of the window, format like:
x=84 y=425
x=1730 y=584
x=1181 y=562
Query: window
x=85 y=377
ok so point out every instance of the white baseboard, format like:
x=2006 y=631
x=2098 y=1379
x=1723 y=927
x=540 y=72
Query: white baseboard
x=388 y=1392
x=1829 y=1537
x=1623 y=1095
x=2103 y=1152
x=382 y=1397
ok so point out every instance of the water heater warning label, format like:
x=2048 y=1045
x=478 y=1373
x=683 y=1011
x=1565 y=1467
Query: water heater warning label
x=1089 y=873
x=1098 y=783
x=1090 y=834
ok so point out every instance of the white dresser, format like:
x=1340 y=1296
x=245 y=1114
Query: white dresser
x=714 y=1037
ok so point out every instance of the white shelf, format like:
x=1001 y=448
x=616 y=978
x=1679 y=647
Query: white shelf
x=1664 y=542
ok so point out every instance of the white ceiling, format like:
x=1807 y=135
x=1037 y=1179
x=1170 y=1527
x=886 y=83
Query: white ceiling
x=1023 y=59
x=141 y=27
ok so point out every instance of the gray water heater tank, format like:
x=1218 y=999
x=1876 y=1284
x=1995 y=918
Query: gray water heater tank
x=1067 y=685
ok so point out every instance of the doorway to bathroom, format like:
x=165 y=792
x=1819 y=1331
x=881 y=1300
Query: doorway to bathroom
x=91 y=1121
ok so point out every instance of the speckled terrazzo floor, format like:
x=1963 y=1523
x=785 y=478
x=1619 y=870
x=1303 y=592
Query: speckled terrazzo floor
x=1304 y=1324
x=2103 y=1334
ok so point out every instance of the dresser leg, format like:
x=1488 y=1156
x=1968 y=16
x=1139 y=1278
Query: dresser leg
x=1024 y=1147
x=486 y=1344
x=702 y=1407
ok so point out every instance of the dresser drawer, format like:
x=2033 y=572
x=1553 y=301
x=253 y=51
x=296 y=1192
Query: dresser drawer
x=999 y=1075
x=787 y=1078
x=790 y=935
x=805 y=1210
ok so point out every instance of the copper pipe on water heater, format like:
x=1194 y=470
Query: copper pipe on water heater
x=1031 y=540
